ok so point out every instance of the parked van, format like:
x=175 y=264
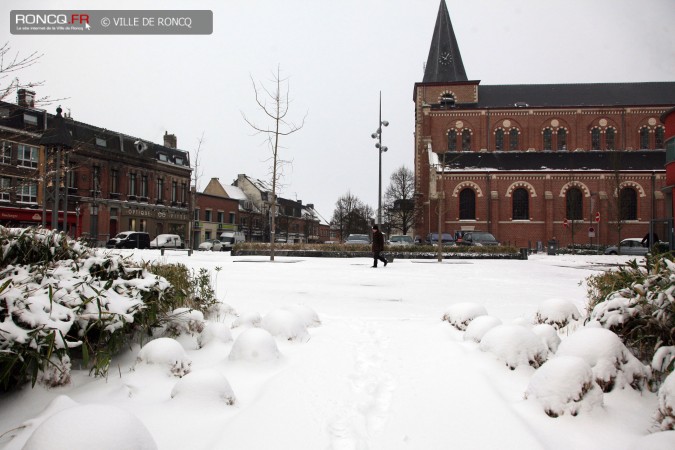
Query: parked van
x=130 y=239
x=166 y=241
x=229 y=238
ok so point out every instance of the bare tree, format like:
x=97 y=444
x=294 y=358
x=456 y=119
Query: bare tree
x=197 y=162
x=10 y=64
x=400 y=201
x=274 y=104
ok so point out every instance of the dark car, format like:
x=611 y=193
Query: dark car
x=478 y=238
x=130 y=239
x=446 y=239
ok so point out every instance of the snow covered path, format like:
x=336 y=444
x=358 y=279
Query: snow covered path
x=382 y=372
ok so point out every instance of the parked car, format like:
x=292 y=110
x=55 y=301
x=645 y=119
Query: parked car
x=355 y=239
x=446 y=239
x=628 y=246
x=401 y=240
x=229 y=238
x=212 y=244
x=130 y=239
x=478 y=238
x=166 y=241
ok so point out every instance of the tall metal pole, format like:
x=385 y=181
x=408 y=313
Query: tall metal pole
x=379 y=183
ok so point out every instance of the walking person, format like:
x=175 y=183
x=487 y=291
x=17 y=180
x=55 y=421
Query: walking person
x=378 y=246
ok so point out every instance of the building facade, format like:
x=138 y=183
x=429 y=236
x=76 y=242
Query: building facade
x=581 y=163
x=109 y=182
x=214 y=213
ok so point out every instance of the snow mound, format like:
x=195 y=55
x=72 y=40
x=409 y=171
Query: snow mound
x=522 y=322
x=255 y=344
x=204 y=384
x=80 y=427
x=166 y=352
x=549 y=335
x=479 y=326
x=219 y=311
x=461 y=314
x=665 y=416
x=664 y=440
x=20 y=434
x=612 y=363
x=285 y=324
x=185 y=321
x=248 y=320
x=565 y=384
x=515 y=345
x=557 y=312
x=214 y=332
x=309 y=317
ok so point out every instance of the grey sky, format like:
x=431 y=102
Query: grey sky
x=338 y=55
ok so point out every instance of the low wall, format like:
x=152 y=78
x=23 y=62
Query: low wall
x=388 y=255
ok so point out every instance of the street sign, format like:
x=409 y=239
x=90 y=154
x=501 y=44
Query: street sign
x=591 y=232
x=597 y=216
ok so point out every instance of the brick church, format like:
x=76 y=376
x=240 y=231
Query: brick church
x=581 y=163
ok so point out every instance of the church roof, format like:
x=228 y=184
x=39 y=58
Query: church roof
x=444 y=63
x=591 y=94
x=639 y=160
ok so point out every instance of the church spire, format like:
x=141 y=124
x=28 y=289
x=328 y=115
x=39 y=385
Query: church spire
x=444 y=63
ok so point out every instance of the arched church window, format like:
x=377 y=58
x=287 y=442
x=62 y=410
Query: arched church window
x=595 y=138
x=452 y=140
x=659 y=137
x=521 y=204
x=467 y=204
x=548 y=139
x=574 y=204
x=499 y=139
x=466 y=140
x=610 y=138
x=562 y=139
x=628 y=204
x=644 y=138
x=513 y=139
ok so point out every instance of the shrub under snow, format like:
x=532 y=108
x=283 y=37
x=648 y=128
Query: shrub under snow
x=103 y=427
x=214 y=332
x=285 y=324
x=208 y=383
x=166 y=352
x=185 y=321
x=219 y=310
x=57 y=372
x=479 y=326
x=309 y=317
x=248 y=319
x=613 y=364
x=557 y=312
x=549 y=335
x=515 y=345
x=565 y=384
x=460 y=314
x=665 y=416
x=254 y=344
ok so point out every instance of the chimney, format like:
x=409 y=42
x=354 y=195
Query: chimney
x=25 y=98
x=310 y=205
x=170 y=140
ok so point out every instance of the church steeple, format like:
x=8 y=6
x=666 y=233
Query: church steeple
x=444 y=63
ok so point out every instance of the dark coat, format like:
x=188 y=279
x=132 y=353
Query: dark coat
x=378 y=241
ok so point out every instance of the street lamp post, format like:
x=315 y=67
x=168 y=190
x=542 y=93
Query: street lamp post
x=378 y=135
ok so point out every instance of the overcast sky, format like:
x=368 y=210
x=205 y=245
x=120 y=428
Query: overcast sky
x=338 y=55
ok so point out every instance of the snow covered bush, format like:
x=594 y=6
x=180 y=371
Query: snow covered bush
x=564 y=384
x=248 y=319
x=166 y=352
x=184 y=321
x=665 y=416
x=479 y=326
x=308 y=316
x=556 y=312
x=80 y=426
x=254 y=344
x=214 y=332
x=636 y=302
x=56 y=373
x=664 y=359
x=612 y=363
x=515 y=345
x=285 y=324
x=219 y=311
x=549 y=335
x=208 y=383
x=460 y=314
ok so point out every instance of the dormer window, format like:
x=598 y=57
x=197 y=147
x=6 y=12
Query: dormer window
x=163 y=157
x=101 y=142
x=179 y=160
x=447 y=101
x=30 y=119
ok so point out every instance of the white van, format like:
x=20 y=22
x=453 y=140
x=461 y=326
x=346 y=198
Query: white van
x=229 y=238
x=166 y=241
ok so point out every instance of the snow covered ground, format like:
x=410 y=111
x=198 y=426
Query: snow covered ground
x=381 y=371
